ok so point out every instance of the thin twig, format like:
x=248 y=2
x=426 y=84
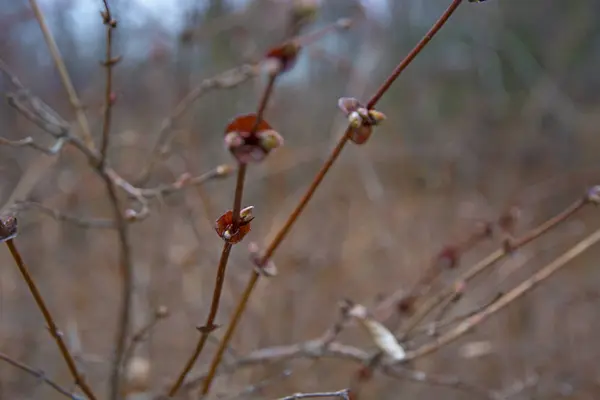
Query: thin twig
x=225 y=80
x=64 y=75
x=341 y=394
x=52 y=327
x=29 y=142
x=514 y=294
x=109 y=63
x=139 y=336
x=319 y=348
x=39 y=374
x=492 y=259
x=209 y=325
x=414 y=52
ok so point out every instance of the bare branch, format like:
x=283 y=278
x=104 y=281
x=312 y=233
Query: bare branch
x=39 y=374
x=341 y=394
x=64 y=75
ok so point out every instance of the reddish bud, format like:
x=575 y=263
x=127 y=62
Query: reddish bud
x=593 y=195
x=249 y=141
x=449 y=256
x=509 y=219
x=224 y=225
x=360 y=119
x=406 y=305
x=8 y=228
x=112 y=98
x=364 y=374
x=285 y=55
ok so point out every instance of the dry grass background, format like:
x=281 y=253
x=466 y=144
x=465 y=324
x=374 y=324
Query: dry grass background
x=500 y=110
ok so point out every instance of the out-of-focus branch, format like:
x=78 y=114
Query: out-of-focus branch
x=64 y=75
x=225 y=80
x=29 y=142
x=121 y=223
x=340 y=394
x=39 y=374
x=41 y=114
x=8 y=231
x=318 y=348
x=511 y=296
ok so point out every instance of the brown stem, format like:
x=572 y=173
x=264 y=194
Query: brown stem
x=506 y=299
x=414 y=53
x=108 y=64
x=239 y=194
x=287 y=226
x=56 y=334
x=280 y=236
x=241 y=307
x=209 y=326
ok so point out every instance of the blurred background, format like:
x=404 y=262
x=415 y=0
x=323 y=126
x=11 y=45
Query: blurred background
x=499 y=114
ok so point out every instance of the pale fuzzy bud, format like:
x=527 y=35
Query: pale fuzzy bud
x=593 y=194
x=137 y=375
x=224 y=170
x=376 y=116
x=246 y=214
x=355 y=119
x=233 y=139
x=270 y=140
x=381 y=336
x=161 y=312
x=130 y=214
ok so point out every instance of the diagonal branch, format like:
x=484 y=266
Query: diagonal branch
x=39 y=375
x=52 y=327
x=64 y=75
x=505 y=300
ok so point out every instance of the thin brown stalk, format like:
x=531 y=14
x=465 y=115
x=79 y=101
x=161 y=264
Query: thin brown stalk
x=38 y=374
x=514 y=294
x=209 y=325
x=241 y=307
x=64 y=75
x=109 y=62
x=414 y=53
x=52 y=327
x=282 y=233
x=125 y=261
x=491 y=260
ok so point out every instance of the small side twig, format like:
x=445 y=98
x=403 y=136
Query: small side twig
x=29 y=142
x=340 y=394
x=108 y=63
x=39 y=374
